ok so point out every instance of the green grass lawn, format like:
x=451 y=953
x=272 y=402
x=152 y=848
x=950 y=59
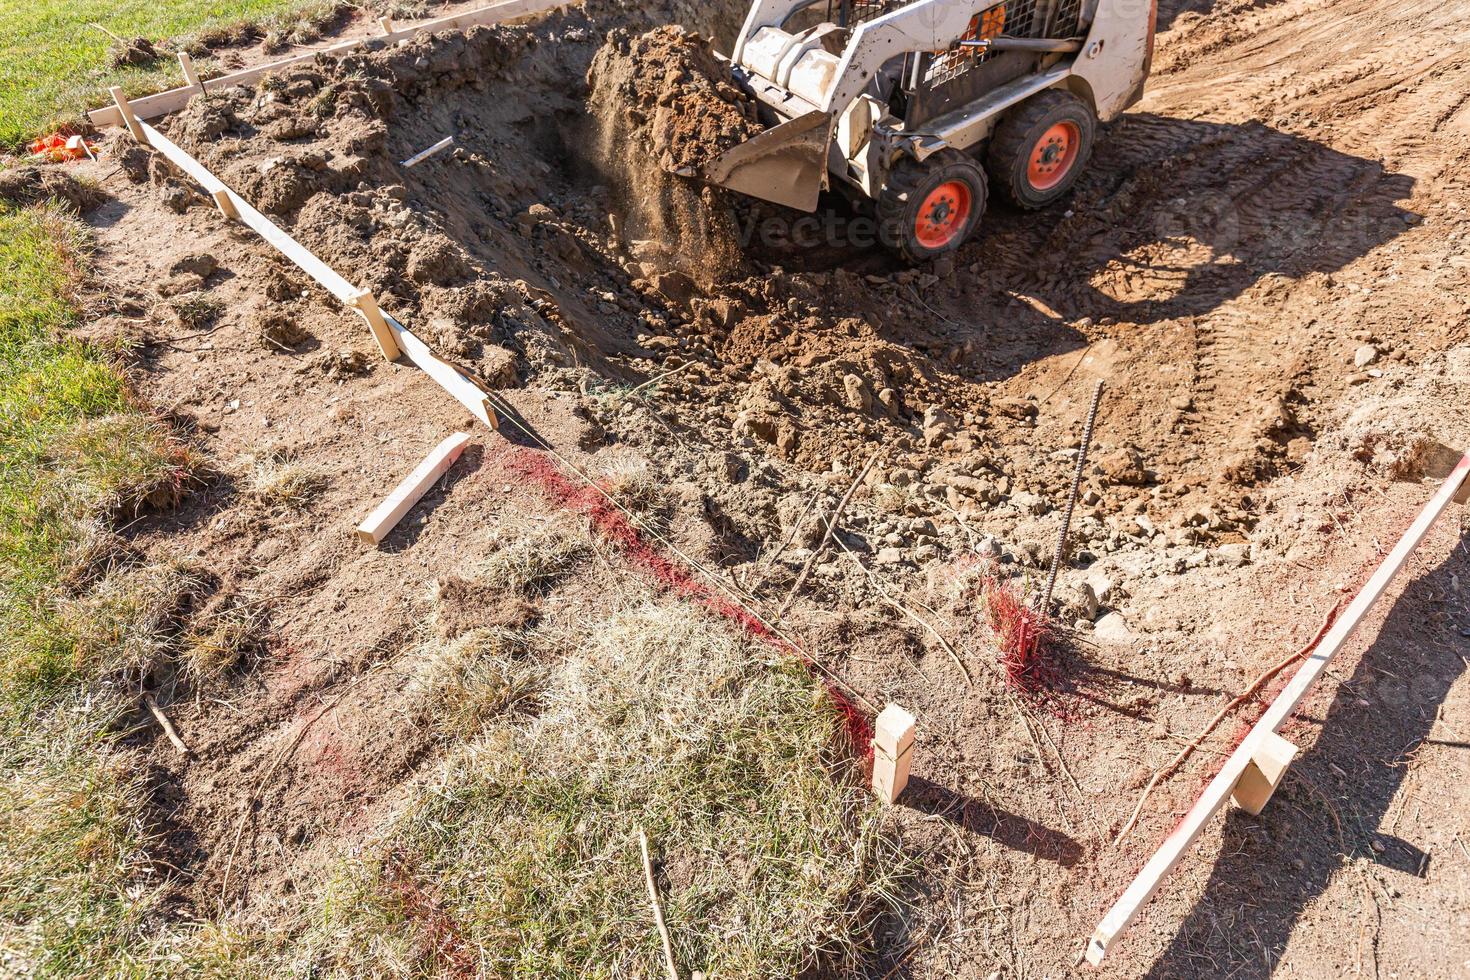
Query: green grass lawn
x=69 y=842
x=54 y=66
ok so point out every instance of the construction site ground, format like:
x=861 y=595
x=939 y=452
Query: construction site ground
x=1267 y=264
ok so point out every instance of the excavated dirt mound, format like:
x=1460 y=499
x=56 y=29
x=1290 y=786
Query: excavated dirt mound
x=664 y=105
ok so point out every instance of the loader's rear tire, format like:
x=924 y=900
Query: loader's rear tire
x=930 y=208
x=1040 y=148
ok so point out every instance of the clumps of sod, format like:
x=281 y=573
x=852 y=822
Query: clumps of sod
x=278 y=482
x=518 y=854
x=459 y=686
x=527 y=559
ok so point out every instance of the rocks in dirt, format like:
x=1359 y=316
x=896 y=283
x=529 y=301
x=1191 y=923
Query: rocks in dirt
x=938 y=425
x=28 y=184
x=176 y=197
x=137 y=52
x=278 y=328
x=132 y=158
x=201 y=264
x=1031 y=504
x=345 y=363
x=1233 y=555
x=1113 y=628
x=1365 y=355
x=533 y=217
x=856 y=393
x=1020 y=409
x=1123 y=465
x=675 y=286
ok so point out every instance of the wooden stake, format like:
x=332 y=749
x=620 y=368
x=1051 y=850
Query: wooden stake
x=129 y=120
x=225 y=205
x=658 y=909
x=165 y=724
x=386 y=23
x=893 y=751
x=387 y=515
x=1264 y=774
x=364 y=303
x=190 y=75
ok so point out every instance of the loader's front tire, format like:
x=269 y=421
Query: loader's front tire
x=1040 y=148
x=930 y=208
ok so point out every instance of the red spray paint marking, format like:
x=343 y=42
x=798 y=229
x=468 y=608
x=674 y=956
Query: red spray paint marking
x=445 y=944
x=615 y=526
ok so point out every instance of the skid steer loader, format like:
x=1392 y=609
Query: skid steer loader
x=897 y=103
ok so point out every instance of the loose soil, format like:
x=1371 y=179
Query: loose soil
x=1265 y=264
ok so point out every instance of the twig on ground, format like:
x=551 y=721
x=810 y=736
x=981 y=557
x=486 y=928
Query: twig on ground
x=1239 y=699
x=832 y=523
x=795 y=529
x=107 y=32
x=873 y=580
x=658 y=909
x=280 y=757
x=659 y=377
x=165 y=724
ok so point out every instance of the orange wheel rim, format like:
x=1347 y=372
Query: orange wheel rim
x=1053 y=156
x=943 y=215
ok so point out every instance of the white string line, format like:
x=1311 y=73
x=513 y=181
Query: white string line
x=510 y=416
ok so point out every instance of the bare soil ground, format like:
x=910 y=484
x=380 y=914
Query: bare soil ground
x=1267 y=265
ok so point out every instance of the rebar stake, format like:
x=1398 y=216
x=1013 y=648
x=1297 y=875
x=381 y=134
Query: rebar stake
x=1056 y=559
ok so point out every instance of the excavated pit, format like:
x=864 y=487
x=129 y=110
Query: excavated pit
x=553 y=235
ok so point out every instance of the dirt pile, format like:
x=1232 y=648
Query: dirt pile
x=664 y=106
x=673 y=96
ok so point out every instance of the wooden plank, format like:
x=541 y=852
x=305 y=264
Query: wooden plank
x=126 y=114
x=367 y=306
x=162 y=103
x=893 y=751
x=465 y=389
x=225 y=204
x=265 y=227
x=191 y=77
x=387 y=514
x=1219 y=790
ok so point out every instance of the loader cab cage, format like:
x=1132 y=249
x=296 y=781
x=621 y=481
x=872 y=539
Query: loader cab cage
x=938 y=81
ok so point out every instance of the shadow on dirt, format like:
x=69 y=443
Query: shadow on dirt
x=1009 y=829
x=1331 y=808
x=1177 y=217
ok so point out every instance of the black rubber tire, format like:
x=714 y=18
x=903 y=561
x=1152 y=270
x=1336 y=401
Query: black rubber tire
x=1009 y=156
x=909 y=184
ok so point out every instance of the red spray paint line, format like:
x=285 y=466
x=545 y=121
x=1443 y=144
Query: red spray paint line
x=445 y=944
x=613 y=525
x=1022 y=634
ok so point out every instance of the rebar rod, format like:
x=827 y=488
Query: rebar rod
x=1056 y=558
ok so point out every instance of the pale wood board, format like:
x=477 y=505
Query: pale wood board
x=385 y=517
x=1219 y=790
x=161 y=104
x=893 y=751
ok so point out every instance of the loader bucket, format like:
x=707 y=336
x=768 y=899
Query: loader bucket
x=785 y=164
